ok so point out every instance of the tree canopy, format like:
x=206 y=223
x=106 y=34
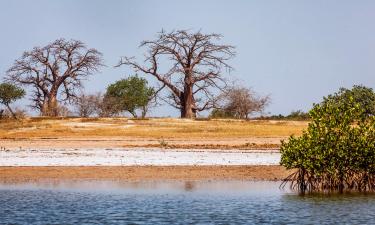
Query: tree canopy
x=10 y=93
x=55 y=70
x=362 y=95
x=194 y=72
x=131 y=94
x=337 y=151
x=239 y=102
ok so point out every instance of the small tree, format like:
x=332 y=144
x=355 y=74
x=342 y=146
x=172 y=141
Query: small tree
x=10 y=93
x=221 y=113
x=88 y=105
x=337 y=152
x=108 y=106
x=130 y=95
x=240 y=102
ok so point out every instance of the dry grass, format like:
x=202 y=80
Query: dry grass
x=150 y=128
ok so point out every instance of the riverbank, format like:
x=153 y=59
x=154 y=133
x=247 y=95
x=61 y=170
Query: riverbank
x=164 y=133
x=142 y=173
x=135 y=157
x=151 y=149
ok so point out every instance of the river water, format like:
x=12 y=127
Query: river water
x=216 y=202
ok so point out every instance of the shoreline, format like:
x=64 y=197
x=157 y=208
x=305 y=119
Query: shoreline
x=142 y=173
x=135 y=157
x=265 y=143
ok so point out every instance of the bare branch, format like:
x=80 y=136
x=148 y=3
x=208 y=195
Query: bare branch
x=55 y=72
x=195 y=58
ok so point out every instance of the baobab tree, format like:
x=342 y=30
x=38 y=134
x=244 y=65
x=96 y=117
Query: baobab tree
x=194 y=68
x=55 y=72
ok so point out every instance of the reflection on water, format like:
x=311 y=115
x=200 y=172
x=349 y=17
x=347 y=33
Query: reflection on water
x=225 y=202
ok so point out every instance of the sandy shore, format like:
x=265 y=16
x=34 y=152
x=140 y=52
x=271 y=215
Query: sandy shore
x=142 y=173
x=135 y=157
x=142 y=142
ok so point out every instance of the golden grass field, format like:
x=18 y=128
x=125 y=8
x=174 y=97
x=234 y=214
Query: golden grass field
x=179 y=133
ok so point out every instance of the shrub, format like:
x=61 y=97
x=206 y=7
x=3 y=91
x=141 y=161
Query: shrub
x=131 y=94
x=337 y=152
x=10 y=93
x=220 y=113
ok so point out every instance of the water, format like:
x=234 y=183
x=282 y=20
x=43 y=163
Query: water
x=229 y=202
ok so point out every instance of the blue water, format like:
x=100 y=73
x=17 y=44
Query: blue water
x=177 y=203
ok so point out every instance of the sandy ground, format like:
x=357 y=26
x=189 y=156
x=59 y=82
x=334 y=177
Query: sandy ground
x=134 y=157
x=142 y=173
x=119 y=148
x=119 y=142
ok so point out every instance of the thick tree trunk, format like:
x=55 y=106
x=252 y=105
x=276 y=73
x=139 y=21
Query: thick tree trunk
x=44 y=109
x=187 y=103
x=50 y=106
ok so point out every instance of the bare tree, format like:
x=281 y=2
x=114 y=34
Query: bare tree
x=194 y=68
x=55 y=71
x=88 y=105
x=108 y=106
x=241 y=102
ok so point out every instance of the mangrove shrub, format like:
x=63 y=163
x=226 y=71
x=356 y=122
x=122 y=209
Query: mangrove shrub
x=337 y=151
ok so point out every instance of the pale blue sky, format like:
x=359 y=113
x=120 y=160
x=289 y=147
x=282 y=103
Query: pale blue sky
x=297 y=51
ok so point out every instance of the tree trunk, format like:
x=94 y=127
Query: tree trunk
x=187 y=103
x=134 y=115
x=49 y=106
x=11 y=111
x=52 y=106
x=144 y=112
x=44 y=109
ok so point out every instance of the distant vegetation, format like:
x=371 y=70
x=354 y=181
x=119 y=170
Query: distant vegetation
x=337 y=152
x=239 y=102
x=294 y=115
x=192 y=80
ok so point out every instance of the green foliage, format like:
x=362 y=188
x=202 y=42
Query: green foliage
x=10 y=93
x=294 y=115
x=361 y=95
x=130 y=95
x=337 y=152
x=298 y=115
x=220 y=113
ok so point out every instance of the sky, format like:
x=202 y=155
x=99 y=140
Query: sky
x=297 y=51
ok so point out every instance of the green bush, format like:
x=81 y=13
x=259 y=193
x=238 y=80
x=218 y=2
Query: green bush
x=10 y=93
x=337 y=152
x=220 y=114
x=294 y=115
x=130 y=94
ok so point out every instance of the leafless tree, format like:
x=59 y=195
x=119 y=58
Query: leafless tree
x=241 y=102
x=107 y=106
x=87 y=105
x=55 y=72
x=194 y=68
